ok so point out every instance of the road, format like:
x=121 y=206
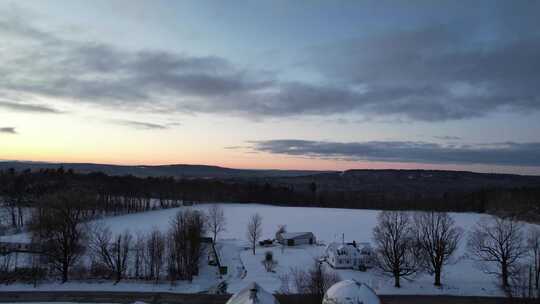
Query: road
x=151 y=297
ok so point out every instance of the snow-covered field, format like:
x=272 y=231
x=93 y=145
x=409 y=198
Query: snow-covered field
x=462 y=278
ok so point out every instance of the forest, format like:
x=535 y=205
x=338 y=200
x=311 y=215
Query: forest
x=114 y=195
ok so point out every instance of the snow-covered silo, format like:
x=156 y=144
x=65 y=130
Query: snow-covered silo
x=253 y=294
x=350 y=292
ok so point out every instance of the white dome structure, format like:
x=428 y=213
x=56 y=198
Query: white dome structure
x=253 y=294
x=350 y=292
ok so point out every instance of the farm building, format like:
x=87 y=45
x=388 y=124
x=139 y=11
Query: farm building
x=350 y=292
x=349 y=255
x=9 y=247
x=296 y=238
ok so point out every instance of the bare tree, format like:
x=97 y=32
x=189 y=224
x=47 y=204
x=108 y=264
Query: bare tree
x=320 y=280
x=6 y=262
x=155 y=249
x=438 y=239
x=15 y=194
x=313 y=282
x=185 y=247
x=111 y=252
x=139 y=255
x=397 y=251
x=533 y=245
x=522 y=283
x=269 y=262
x=498 y=240
x=281 y=229
x=254 y=230
x=58 y=227
x=216 y=220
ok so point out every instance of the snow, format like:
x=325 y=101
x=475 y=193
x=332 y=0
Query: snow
x=298 y=256
x=328 y=225
x=252 y=294
x=106 y=286
x=350 y=292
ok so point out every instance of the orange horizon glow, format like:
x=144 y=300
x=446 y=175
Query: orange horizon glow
x=289 y=163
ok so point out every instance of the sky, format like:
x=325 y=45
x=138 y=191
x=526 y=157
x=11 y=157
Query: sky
x=322 y=85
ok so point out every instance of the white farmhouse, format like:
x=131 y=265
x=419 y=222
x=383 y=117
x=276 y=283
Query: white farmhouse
x=296 y=238
x=349 y=255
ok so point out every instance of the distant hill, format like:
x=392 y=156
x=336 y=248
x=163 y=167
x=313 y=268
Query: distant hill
x=179 y=171
x=424 y=182
x=360 y=189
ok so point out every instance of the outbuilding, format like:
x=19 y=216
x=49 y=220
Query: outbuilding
x=296 y=238
x=350 y=292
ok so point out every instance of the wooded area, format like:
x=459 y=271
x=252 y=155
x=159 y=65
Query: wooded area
x=114 y=195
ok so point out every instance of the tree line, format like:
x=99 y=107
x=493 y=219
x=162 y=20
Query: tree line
x=20 y=190
x=115 y=195
x=63 y=241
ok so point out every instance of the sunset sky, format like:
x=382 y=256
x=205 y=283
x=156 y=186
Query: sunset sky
x=273 y=84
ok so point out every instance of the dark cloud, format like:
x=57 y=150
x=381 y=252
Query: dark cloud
x=425 y=73
x=508 y=153
x=447 y=137
x=139 y=124
x=434 y=74
x=32 y=108
x=38 y=62
x=8 y=130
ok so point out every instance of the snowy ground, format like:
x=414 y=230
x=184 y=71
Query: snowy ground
x=463 y=278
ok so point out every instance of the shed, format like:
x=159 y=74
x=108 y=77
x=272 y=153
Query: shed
x=296 y=238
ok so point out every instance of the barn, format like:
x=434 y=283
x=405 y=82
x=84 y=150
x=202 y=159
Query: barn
x=296 y=238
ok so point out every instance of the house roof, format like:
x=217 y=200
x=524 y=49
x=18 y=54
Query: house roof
x=342 y=247
x=336 y=245
x=348 y=246
x=296 y=235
